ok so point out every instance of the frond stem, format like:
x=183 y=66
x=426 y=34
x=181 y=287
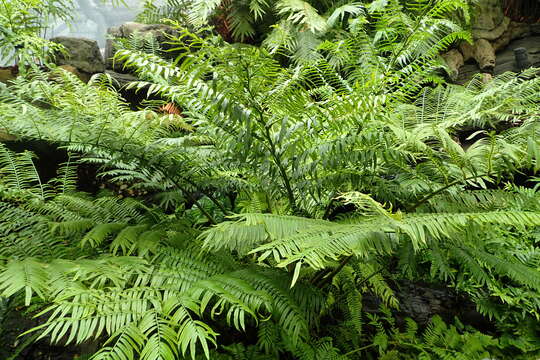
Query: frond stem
x=328 y=209
x=406 y=41
x=271 y=144
x=284 y=176
x=324 y=280
x=437 y=192
x=360 y=349
x=195 y=202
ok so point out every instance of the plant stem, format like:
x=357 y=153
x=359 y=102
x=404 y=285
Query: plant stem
x=272 y=145
x=436 y=192
x=209 y=196
x=328 y=209
x=405 y=43
x=29 y=340
x=175 y=182
x=195 y=202
x=370 y=276
x=360 y=349
x=283 y=173
x=334 y=272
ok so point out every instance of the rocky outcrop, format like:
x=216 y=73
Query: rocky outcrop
x=159 y=32
x=4 y=136
x=81 y=53
x=506 y=59
x=421 y=301
x=120 y=80
x=484 y=54
x=83 y=56
x=514 y=31
x=454 y=60
x=490 y=22
x=7 y=74
x=492 y=32
x=85 y=77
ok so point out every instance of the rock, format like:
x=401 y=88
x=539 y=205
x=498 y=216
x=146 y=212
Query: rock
x=490 y=22
x=422 y=301
x=486 y=77
x=82 y=54
x=121 y=80
x=4 y=136
x=467 y=50
x=535 y=28
x=484 y=55
x=515 y=31
x=505 y=58
x=159 y=31
x=489 y=16
x=83 y=76
x=6 y=74
x=112 y=33
x=494 y=33
x=518 y=30
x=454 y=60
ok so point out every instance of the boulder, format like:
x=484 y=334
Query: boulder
x=121 y=80
x=514 y=31
x=112 y=34
x=467 y=50
x=486 y=77
x=490 y=22
x=4 y=136
x=82 y=53
x=494 y=33
x=7 y=74
x=454 y=60
x=81 y=75
x=506 y=60
x=159 y=31
x=484 y=55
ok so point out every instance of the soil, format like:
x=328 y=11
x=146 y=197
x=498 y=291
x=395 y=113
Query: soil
x=16 y=347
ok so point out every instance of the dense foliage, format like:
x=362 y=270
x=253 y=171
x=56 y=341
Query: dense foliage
x=289 y=206
x=22 y=23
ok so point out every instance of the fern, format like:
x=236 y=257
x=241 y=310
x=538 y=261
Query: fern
x=19 y=172
x=295 y=183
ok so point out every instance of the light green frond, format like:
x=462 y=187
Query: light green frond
x=302 y=13
x=201 y=10
x=252 y=230
x=18 y=171
x=27 y=275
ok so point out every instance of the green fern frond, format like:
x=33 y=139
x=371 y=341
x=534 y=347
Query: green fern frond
x=18 y=171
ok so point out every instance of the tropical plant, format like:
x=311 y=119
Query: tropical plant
x=21 y=25
x=298 y=28
x=24 y=26
x=154 y=12
x=277 y=201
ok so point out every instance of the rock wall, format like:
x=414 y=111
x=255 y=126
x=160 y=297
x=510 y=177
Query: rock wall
x=505 y=59
x=84 y=58
x=158 y=31
x=495 y=37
